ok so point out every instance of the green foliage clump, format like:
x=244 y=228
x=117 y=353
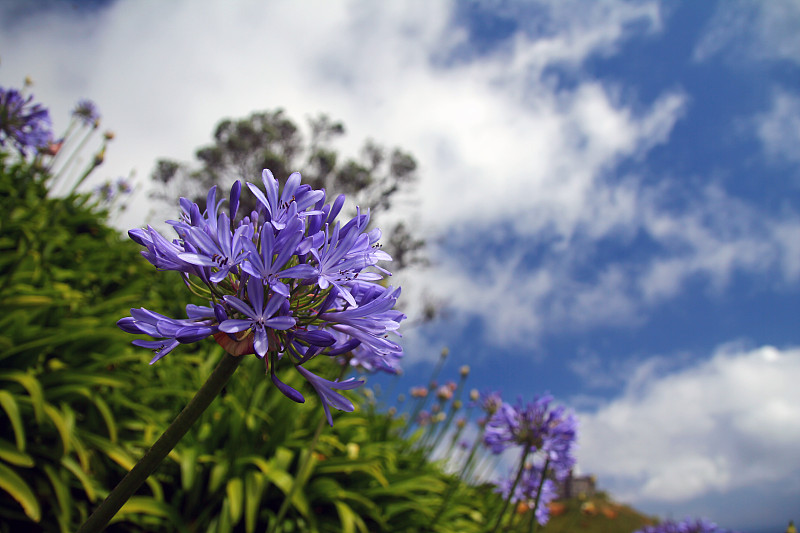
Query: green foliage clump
x=67 y=411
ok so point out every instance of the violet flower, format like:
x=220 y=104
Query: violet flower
x=528 y=489
x=326 y=390
x=537 y=426
x=260 y=317
x=86 y=112
x=24 y=124
x=298 y=282
x=169 y=331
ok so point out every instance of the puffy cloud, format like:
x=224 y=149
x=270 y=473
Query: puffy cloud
x=726 y=423
x=501 y=142
x=779 y=128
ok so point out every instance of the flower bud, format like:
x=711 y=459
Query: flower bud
x=419 y=392
x=464 y=371
x=444 y=393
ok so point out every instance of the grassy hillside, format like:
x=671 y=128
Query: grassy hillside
x=599 y=514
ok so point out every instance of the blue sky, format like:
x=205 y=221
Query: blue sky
x=611 y=192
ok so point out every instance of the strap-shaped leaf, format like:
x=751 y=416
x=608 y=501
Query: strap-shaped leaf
x=57 y=418
x=65 y=503
x=235 y=494
x=87 y=483
x=117 y=454
x=219 y=472
x=189 y=468
x=20 y=491
x=254 y=484
x=9 y=405
x=32 y=386
x=150 y=506
x=13 y=455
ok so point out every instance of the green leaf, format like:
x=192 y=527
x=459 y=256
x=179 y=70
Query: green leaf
x=218 y=474
x=349 y=519
x=32 y=386
x=343 y=465
x=188 y=467
x=117 y=454
x=9 y=405
x=254 y=484
x=63 y=498
x=60 y=424
x=235 y=493
x=108 y=418
x=13 y=455
x=88 y=485
x=281 y=478
x=149 y=506
x=20 y=491
x=28 y=300
x=224 y=519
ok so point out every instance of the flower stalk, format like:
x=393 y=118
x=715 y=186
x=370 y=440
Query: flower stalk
x=534 y=522
x=510 y=496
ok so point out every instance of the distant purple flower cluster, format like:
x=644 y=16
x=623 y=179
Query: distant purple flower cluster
x=527 y=490
x=86 y=111
x=286 y=278
x=685 y=526
x=24 y=124
x=546 y=434
x=549 y=431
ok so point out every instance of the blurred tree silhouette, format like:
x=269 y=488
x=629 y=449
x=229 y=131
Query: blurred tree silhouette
x=242 y=148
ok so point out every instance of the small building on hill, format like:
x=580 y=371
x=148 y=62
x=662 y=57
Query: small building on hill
x=577 y=486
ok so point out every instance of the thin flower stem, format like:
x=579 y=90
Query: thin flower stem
x=60 y=175
x=462 y=477
x=422 y=401
x=148 y=464
x=466 y=470
x=534 y=522
x=499 y=520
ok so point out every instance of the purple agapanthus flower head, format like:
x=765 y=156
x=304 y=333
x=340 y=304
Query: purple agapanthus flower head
x=23 y=123
x=86 y=112
x=286 y=278
x=533 y=488
x=687 y=525
x=548 y=430
x=490 y=402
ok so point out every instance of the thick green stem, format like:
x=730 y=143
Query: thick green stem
x=147 y=464
x=513 y=488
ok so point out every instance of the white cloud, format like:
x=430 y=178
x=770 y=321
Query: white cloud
x=779 y=128
x=500 y=144
x=730 y=422
x=754 y=30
